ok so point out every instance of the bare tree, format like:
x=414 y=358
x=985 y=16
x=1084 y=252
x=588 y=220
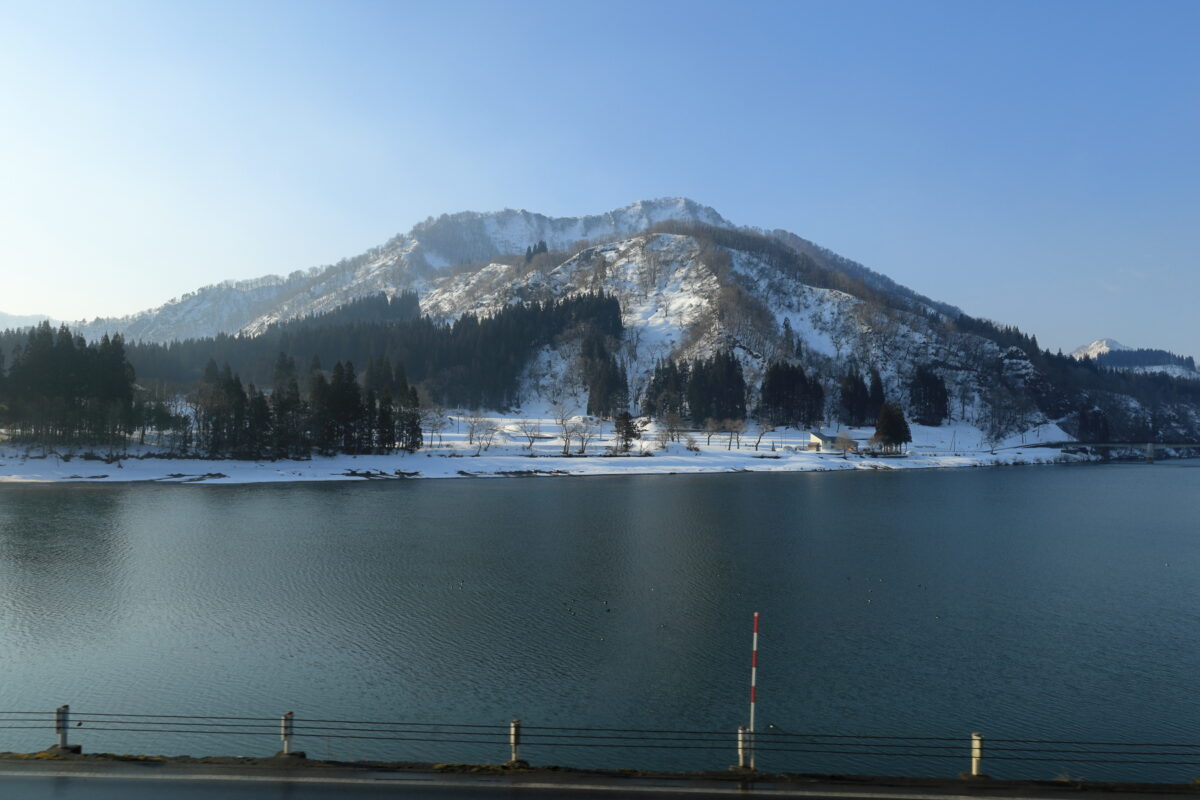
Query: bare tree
x=485 y=434
x=563 y=414
x=674 y=424
x=434 y=419
x=475 y=422
x=845 y=443
x=735 y=428
x=763 y=430
x=662 y=438
x=711 y=427
x=531 y=429
x=586 y=432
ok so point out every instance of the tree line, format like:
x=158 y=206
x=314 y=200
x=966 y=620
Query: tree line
x=1144 y=357
x=337 y=413
x=59 y=389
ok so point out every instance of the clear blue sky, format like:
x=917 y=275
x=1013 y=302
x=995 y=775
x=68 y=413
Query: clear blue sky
x=1032 y=162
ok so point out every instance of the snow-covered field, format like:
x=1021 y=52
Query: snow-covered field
x=510 y=454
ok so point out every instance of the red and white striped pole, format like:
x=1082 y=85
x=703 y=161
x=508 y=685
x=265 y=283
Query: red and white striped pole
x=753 y=686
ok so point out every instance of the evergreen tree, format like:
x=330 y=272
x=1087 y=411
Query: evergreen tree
x=288 y=411
x=625 y=431
x=891 y=429
x=666 y=390
x=260 y=433
x=875 y=397
x=284 y=371
x=929 y=400
x=385 y=422
x=854 y=399
x=716 y=389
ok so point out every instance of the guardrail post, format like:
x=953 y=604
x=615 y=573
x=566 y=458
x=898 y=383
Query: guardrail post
x=514 y=739
x=285 y=732
x=61 y=721
x=742 y=744
x=976 y=754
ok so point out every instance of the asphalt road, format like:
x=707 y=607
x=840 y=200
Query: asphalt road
x=120 y=782
x=37 y=787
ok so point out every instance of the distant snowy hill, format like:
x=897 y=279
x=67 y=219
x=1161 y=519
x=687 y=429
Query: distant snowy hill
x=1112 y=354
x=1171 y=370
x=21 y=320
x=1097 y=348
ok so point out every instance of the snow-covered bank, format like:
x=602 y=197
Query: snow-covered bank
x=511 y=454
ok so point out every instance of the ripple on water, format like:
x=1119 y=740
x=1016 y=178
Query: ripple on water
x=1032 y=603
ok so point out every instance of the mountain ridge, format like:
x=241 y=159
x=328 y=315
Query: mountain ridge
x=429 y=247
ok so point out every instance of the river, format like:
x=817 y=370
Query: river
x=1058 y=602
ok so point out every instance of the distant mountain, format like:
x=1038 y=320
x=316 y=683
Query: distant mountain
x=1147 y=361
x=21 y=320
x=1097 y=348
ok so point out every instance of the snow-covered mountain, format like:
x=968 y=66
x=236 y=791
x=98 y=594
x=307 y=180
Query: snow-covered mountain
x=684 y=297
x=1097 y=348
x=1145 y=362
x=689 y=283
x=403 y=262
x=21 y=320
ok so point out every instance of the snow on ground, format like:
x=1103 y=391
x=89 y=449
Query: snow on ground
x=957 y=445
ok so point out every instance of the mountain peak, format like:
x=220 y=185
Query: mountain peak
x=1097 y=348
x=471 y=236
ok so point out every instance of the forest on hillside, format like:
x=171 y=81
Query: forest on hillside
x=371 y=376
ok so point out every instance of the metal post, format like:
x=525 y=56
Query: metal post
x=976 y=754
x=741 y=740
x=61 y=721
x=753 y=686
x=285 y=731
x=514 y=739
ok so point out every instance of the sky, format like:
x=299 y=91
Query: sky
x=1035 y=163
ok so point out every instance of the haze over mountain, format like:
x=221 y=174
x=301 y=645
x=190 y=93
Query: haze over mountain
x=21 y=320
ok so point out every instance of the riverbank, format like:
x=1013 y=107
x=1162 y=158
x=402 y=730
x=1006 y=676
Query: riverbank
x=537 y=451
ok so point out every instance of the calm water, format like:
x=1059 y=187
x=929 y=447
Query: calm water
x=1041 y=603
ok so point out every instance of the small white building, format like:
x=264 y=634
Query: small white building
x=828 y=442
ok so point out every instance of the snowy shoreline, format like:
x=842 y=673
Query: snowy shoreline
x=514 y=456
